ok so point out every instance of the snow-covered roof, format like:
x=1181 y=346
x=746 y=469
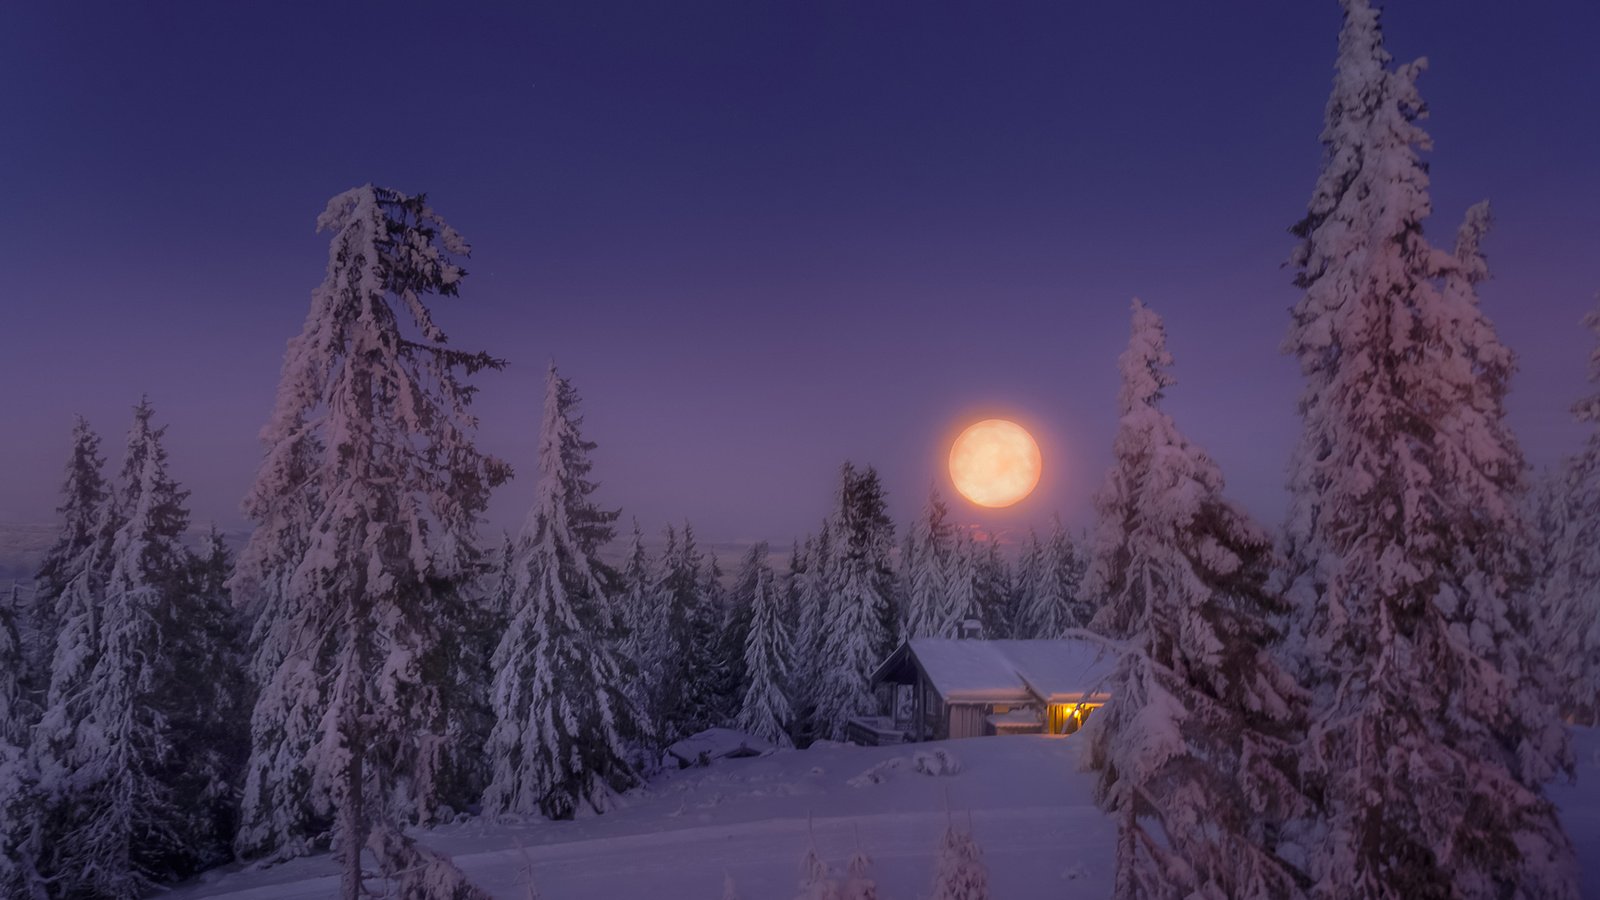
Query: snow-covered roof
x=973 y=671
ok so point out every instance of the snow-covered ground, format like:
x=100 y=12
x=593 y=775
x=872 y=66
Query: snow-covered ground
x=1028 y=803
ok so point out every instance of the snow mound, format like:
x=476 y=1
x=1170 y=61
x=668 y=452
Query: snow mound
x=938 y=761
x=708 y=746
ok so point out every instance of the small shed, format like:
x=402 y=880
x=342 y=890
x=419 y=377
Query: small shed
x=933 y=688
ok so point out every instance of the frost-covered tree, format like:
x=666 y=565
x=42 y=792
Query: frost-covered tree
x=85 y=534
x=366 y=507
x=107 y=744
x=793 y=583
x=19 y=804
x=816 y=878
x=960 y=600
x=206 y=702
x=1056 y=600
x=635 y=602
x=1196 y=748
x=1570 y=582
x=859 y=627
x=1030 y=566
x=689 y=668
x=564 y=722
x=858 y=881
x=993 y=589
x=926 y=564
x=960 y=873
x=1430 y=734
x=737 y=618
x=765 y=711
x=812 y=615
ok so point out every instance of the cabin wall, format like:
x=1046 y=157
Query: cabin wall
x=968 y=720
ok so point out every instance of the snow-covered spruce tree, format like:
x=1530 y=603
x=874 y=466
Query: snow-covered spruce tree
x=1056 y=599
x=960 y=873
x=1430 y=732
x=960 y=600
x=793 y=583
x=564 y=721
x=1196 y=748
x=365 y=506
x=811 y=614
x=19 y=807
x=688 y=663
x=765 y=711
x=992 y=589
x=733 y=614
x=1571 y=585
x=85 y=529
x=116 y=825
x=206 y=697
x=737 y=618
x=1071 y=566
x=859 y=627
x=635 y=604
x=927 y=565
x=1030 y=565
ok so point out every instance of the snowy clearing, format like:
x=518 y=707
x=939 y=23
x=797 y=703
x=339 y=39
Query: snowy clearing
x=1030 y=807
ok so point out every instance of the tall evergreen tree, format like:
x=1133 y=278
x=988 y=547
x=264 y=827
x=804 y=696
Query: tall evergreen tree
x=206 y=702
x=106 y=745
x=793 y=586
x=1029 y=576
x=564 y=722
x=1570 y=582
x=960 y=600
x=764 y=710
x=690 y=668
x=19 y=802
x=1065 y=604
x=815 y=590
x=859 y=628
x=638 y=618
x=85 y=534
x=366 y=506
x=737 y=620
x=1195 y=749
x=927 y=565
x=993 y=590
x=1056 y=601
x=1430 y=734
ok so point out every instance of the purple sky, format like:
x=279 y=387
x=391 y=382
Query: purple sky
x=760 y=237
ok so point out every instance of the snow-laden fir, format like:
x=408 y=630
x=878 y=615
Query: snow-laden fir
x=1196 y=747
x=925 y=563
x=765 y=711
x=859 y=625
x=1570 y=583
x=564 y=725
x=1432 y=730
x=366 y=506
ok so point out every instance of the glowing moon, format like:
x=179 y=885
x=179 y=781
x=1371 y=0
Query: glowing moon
x=995 y=463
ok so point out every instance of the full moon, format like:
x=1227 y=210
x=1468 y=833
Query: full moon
x=995 y=463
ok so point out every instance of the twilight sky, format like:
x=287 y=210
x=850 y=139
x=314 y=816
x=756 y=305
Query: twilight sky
x=760 y=237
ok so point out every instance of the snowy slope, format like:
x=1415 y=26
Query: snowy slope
x=1030 y=807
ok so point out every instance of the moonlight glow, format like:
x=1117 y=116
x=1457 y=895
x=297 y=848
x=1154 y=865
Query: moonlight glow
x=995 y=463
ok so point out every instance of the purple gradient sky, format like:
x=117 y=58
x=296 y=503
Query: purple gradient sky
x=760 y=237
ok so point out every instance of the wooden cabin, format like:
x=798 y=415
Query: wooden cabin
x=932 y=689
